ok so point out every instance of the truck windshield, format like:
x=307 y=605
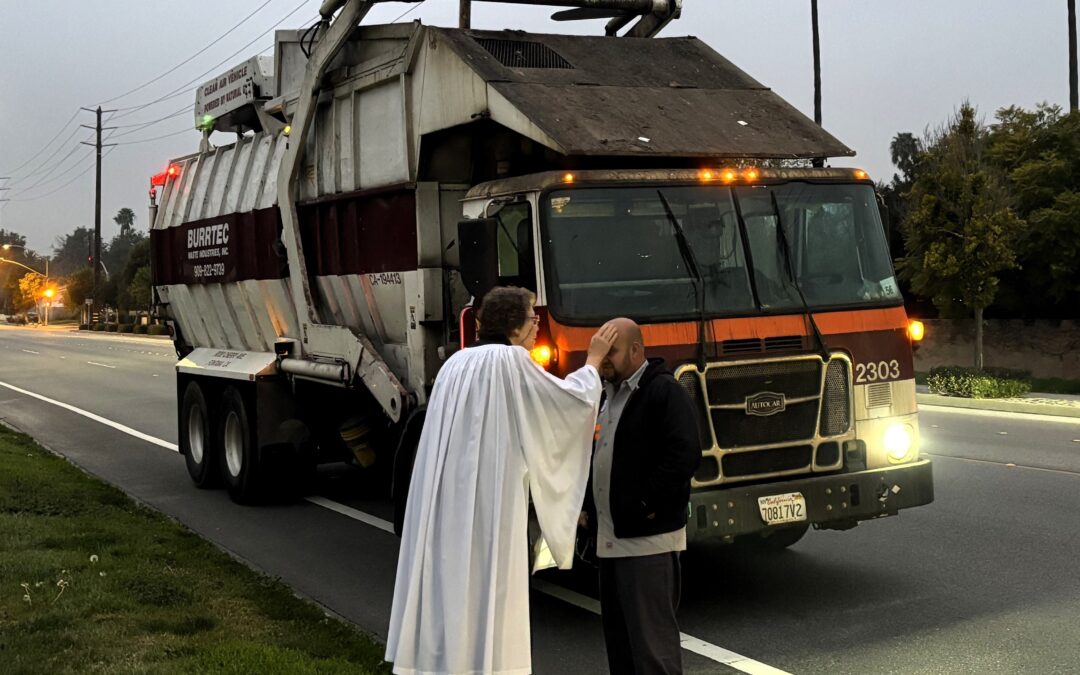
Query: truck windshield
x=611 y=251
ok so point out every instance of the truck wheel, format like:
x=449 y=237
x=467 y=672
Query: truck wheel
x=236 y=441
x=778 y=540
x=197 y=443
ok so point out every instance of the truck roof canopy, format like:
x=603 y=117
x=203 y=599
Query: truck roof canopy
x=624 y=96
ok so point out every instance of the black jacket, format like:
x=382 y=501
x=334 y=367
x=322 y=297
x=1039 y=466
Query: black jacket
x=656 y=453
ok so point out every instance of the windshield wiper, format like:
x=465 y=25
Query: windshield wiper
x=691 y=265
x=786 y=248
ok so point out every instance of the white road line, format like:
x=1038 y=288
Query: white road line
x=1007 y=465
x=31 y=351
x=1030 y=417
x=689 y=642
x=355 y=514
x=95 y=363
x=97 y=418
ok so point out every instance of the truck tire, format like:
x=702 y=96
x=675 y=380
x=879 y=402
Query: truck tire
x=778 y=540
x=197 y=442
x=238 y=452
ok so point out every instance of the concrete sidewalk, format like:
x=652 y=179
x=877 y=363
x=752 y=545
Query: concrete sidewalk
x=1058 y=405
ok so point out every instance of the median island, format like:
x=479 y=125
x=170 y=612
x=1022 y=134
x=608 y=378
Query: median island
x=92 y=581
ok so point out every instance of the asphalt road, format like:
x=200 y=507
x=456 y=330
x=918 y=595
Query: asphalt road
x=984 y=580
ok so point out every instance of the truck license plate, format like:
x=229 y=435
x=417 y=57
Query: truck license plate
x=780 y=509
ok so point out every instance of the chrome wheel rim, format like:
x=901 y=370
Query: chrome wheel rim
x=196 y=435
x=234 y=444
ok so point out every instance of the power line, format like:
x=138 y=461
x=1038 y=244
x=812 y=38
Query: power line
x=190 y=58
x=198 y=78
x=157 y=138
x=44 y=166
x=75 y=178
x=45 y=178
x=185 y=109
x=409 y=11
x=44 y=147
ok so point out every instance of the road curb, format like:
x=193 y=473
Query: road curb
x=107 y=333
x=999 y=405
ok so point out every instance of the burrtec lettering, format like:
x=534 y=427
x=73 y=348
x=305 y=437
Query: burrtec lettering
x=208 y=235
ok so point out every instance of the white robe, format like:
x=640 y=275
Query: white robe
x=498 y=427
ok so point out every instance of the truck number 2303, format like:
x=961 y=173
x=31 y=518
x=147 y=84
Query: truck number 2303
x=881 y=370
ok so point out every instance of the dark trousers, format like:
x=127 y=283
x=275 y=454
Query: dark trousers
x=638 y=600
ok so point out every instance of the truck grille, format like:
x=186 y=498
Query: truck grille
x=769 y=418
x=738 y=464
x=523 y=54
x=835 y=405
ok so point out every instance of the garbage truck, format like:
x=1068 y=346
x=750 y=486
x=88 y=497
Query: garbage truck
x=318 y=268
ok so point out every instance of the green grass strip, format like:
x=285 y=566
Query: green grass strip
x=91 y=581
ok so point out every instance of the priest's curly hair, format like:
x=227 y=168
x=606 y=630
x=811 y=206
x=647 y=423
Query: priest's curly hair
x=503 y=311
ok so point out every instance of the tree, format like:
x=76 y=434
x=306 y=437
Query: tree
x=961 y=229
x=1039 y=151
x=136 y=260
x=80 y=286
x=139 y=289
x=125 y=218
x=904 y=150
x=120 y=249
x=71 y=252
x=31 y=286
x=9 y=274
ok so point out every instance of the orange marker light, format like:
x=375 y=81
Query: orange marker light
x=729 y=175
x=568 y=178
x=751 y=174
x=543 y=355
x=916 y=330
x=861 y=175
x=707 y=174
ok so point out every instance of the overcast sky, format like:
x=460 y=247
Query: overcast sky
x=887 y=66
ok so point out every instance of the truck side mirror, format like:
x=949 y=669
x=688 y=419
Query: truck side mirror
x=478 y=251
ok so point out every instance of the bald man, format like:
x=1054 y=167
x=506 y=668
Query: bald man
x=646 y=452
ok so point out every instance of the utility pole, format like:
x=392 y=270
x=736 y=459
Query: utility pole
x=1074 y=101
x=817 y=70
x=97 y=197
x=465 y=14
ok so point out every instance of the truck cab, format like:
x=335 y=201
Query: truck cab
x=781 y=318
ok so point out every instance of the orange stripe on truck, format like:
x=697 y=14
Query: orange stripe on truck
x=571 y=338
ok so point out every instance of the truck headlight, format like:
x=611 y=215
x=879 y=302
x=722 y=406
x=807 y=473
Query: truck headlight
x=898 y=442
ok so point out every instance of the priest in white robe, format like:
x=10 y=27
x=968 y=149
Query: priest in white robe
x=498 y=428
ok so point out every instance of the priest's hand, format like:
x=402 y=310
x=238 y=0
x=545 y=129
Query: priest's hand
x=600 y=345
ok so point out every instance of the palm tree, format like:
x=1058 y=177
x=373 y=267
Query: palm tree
x=125 y=218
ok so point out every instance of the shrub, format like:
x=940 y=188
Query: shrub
x=125 y=328
x=972 y=383
x=110 y=327
x=139 y=329
x=157 y=329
